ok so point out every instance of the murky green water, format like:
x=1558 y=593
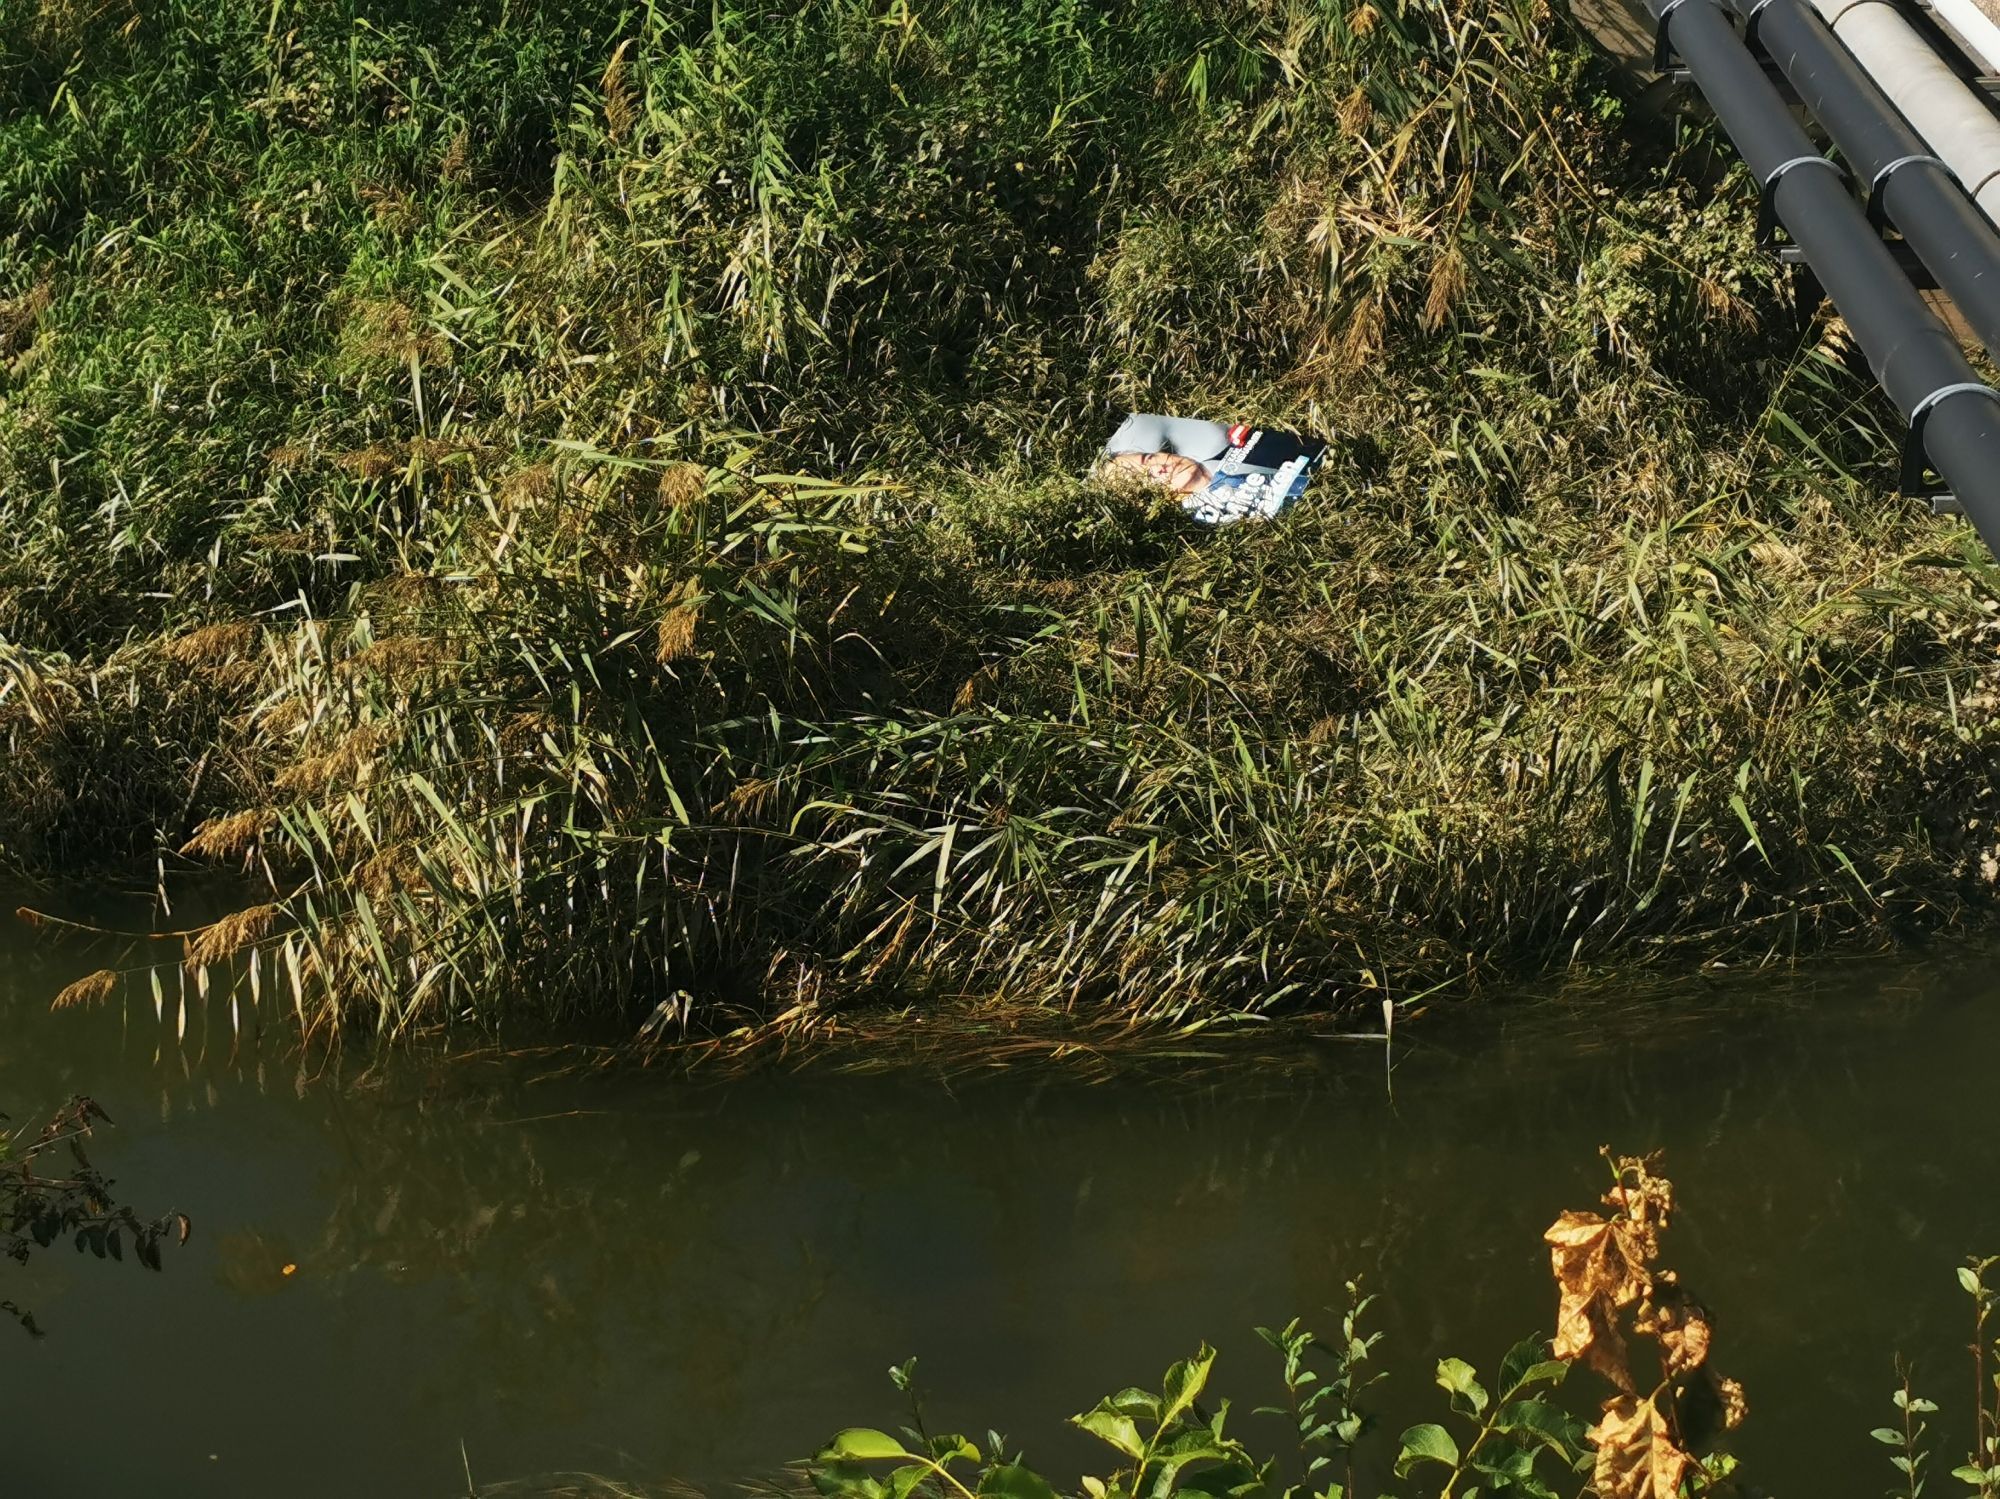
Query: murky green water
x=641 y=1276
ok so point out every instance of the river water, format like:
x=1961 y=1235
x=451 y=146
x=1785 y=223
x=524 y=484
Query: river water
x=642 y=1276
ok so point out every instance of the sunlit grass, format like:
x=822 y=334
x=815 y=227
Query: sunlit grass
x=586 y=506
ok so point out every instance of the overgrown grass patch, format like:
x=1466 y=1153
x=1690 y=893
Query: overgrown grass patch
x=588 y=505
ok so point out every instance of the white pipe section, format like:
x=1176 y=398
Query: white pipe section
x=1975 y=27
x=1940 y=106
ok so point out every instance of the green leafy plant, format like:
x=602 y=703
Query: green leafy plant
x=1907 y=1438
x=1512 y=1439
x=1504 y=1436
x=1326 y=1410
x=1165 y=1441
x=1981 y=1470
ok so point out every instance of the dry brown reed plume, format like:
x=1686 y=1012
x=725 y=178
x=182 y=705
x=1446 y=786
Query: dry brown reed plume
x=398 y=660
x=71 y=23
x=528 y=486
x=619 y=110
x=347 y=761
x=454 y=166
x=92 y=988
x=1355 y=111
x=976 y=689
x=683 y=484
x=229 y=936
x=385 y=331
x=676 y=633
x=210 y=645
x=1446 y=283
x=1362 y=340
x=231 y=834
x=20 y=316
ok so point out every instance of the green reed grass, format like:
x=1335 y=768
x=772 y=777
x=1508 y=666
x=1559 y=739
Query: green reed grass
x=585 y=502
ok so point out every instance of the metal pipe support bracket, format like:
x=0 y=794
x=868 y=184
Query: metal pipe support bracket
x=1767 y=192
x=1664 y=60
x=1915 y=462
x=1881 y=181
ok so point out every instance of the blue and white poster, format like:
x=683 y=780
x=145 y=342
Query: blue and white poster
x=1221 y=473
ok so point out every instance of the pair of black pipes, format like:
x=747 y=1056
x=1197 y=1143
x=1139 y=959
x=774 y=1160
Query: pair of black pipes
x=1953 y=417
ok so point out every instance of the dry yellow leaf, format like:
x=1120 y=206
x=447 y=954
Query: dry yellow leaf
x=1597 y=1276
x=1679 y=1322
x=1644 y=1203
x=1637 y=1457
x=1735 y=1404
x=1603 y=1266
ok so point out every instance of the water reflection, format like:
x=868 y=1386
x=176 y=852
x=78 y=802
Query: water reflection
x=640 y=1275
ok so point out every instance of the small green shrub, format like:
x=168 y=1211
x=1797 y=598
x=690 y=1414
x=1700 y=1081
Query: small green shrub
x=1656 y=1436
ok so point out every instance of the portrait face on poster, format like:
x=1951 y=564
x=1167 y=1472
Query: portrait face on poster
x=1220 y=473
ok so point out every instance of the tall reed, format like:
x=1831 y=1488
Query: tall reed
x=586 y=508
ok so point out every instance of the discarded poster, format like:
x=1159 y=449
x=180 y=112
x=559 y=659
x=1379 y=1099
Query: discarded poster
x=1221 y=473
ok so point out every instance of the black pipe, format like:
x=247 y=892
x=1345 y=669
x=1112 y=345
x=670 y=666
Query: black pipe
x=1954 y=418
x=1907 y=185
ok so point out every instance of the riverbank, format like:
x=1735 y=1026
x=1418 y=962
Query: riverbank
x=589 y=517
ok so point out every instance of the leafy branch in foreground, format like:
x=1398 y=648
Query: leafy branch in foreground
x=1982 y=1466
x=1514 y=1440
x=1907 y=1438
x=37 y=1209
x=1325 y=1410
x=1980 y=1472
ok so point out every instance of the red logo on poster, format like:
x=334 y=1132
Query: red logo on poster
x=1239 y=434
